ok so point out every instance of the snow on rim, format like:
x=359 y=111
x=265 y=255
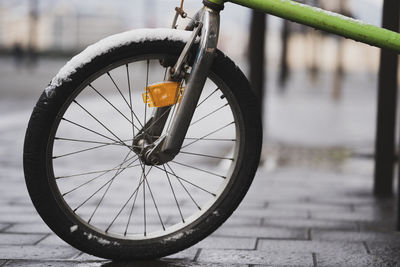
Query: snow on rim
x=113 y=41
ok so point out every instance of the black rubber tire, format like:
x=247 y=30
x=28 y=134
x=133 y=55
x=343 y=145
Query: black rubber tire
x=39 y=176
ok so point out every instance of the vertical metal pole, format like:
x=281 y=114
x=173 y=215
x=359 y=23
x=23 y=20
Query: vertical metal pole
x=257 y=54
x=398 y=200
x=387 y=102
x=284 y=64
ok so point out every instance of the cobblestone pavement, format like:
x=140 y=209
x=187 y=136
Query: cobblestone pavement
x=318 y=216
x=289 y=217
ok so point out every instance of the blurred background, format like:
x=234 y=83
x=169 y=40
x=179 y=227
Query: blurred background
x=320 y=91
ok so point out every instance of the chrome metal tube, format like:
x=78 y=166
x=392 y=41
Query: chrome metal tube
x=173 y=141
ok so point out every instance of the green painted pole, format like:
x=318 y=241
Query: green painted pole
x=326 y=21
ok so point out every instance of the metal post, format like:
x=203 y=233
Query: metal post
x=257 y=54
x=387 y=102
x=398 y=202
x=284 y=71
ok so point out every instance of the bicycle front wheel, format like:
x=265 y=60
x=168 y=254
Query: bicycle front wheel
x=92 y=188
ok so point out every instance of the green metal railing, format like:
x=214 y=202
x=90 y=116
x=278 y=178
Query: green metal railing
x=325 y=20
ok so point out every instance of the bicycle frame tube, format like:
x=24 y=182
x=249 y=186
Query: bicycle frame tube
x=324 y=20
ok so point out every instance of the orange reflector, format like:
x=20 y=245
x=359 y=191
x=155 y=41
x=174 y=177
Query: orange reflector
x=162 y=94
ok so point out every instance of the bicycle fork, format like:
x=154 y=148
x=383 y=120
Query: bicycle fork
x=206 y=22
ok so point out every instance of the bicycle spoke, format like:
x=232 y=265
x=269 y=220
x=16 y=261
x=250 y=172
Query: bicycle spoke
x=126 y=203
x=109 y=181
x=86 y=173
x=95 y=178
x=82 y=150
x=154 y=122
x=131 y=212
x=204 y=100
x=89 y=141
x=155 y=204
x=204 y=155
x=90 y=130
x=173 y=193
x=195 y=168
x=102 y=124
x=130 y=100
x=209 y=114
x=108 y=188
x=98 y=176
x=122 y=95
x=213 y=132
x=186 y=181
x=147 y=85
x=144 y=202
x=211 y=139
x=114 y=107
x=183 y=186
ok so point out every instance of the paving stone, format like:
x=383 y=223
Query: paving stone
x=168 y=263
x=381 y=208
x=383 y=225
x=15 y=208
x=52 y=240
x=254 y=257
x=227 y=243
x=385 y=249
x=19 y=239
x=271 y=213
x=37 y=253
x=310 y=223
x=4 y=226
x=20 y=218
x=276 y=211
x=339 y=199
x=351 y=236
x=20 y=199
x=242 y=221
x=294 y=246
x=86 y=257
x=278 y=195
x=249 y=203
x=205 y=264
x=344 y=216
x=327 y=259
x=264 y=232
x=187 y=254
x=38 y=263
x=30 y=228
x=309 y=206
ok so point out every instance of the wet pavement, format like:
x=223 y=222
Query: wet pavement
x=310 y=203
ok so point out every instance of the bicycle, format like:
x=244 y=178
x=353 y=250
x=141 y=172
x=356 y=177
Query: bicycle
x=147 y=141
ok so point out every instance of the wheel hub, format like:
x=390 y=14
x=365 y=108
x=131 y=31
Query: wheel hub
x=141 y=145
